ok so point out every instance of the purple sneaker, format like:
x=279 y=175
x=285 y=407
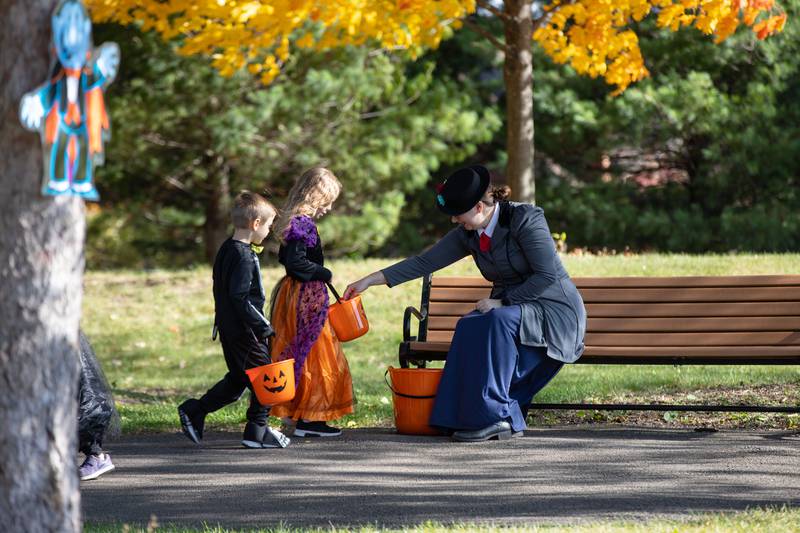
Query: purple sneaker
x=95 y=466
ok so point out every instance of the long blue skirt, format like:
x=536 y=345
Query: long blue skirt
x=489 y=376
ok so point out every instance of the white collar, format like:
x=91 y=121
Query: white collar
x=489 y=229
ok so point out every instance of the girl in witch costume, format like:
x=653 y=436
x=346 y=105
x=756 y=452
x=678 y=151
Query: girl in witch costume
x=299 y=312
x=69 y=109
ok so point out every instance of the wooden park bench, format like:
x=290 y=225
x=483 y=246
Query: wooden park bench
x=716 y=320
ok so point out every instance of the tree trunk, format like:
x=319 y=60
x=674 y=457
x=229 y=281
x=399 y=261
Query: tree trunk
x=41 y=266
x=218 y=214
x=518 y=77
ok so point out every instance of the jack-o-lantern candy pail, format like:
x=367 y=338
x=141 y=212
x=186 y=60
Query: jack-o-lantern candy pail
x=347 y=317
x=273 y=383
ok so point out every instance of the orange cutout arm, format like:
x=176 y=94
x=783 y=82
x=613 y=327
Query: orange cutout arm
x=96 y=119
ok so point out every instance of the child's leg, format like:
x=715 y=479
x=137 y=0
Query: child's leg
x=257 y=434
x=225 y=392
x=250 y=353
x=240 y=352
x=257 y=413
x=193 y=412
x=89 y=444
x=255 y=430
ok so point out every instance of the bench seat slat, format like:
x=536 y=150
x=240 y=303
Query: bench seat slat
x=664 y=324
x=689 y=281
x=695 y=351
x=731 y=309
x=739 y=338
x=663 y=351
x=758 y=338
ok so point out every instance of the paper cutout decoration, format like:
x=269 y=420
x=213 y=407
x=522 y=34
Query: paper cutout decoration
x=69 y=110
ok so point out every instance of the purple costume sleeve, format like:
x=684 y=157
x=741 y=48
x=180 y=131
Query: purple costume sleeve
x=301 y=228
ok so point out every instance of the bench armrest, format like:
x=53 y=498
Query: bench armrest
x=407 y=322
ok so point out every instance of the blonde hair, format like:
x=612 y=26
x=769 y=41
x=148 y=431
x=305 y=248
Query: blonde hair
x=315 y=188
x=248 y=206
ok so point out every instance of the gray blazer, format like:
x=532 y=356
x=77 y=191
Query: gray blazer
x=525 y=270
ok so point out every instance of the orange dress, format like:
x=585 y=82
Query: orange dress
x=324 y=384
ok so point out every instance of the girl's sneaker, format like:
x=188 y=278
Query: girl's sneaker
x=95 y=466
x=315 y=429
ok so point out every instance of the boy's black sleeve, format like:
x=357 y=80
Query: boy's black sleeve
x=300 y=267
x=239 y=291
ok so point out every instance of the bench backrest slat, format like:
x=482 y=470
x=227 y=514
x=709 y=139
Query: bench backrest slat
x=633 y=309
x=652 y=325
x=649 y=295
x=643 y=281
x=701 y=316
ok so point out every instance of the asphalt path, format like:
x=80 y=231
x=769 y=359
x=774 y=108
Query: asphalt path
x=376 y=477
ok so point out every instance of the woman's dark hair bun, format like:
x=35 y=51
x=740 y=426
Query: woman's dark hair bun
x=500 y=192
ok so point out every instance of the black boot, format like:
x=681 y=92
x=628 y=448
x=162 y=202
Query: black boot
x=253 y=435
x=192 y=419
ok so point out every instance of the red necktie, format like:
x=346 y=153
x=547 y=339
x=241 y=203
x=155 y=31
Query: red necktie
x=485 y=242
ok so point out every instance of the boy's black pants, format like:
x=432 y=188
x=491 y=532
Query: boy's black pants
x=241 y=352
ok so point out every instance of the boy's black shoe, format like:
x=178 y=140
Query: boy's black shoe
x=191 y=422
x=274 y=439
x=253 y=435
x=315 y=429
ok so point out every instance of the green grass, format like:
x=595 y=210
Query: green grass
x=151 y=331
x=785 y=520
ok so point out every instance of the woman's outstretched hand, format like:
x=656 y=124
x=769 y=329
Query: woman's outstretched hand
x=357 y=287
x=487 y=304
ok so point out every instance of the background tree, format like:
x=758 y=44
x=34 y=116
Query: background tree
x=41 y=265
x=703 y=156
x=595 y=37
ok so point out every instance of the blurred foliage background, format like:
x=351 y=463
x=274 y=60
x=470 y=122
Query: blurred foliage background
x=702 y=156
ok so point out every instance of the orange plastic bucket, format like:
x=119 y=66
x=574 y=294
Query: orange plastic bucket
x=273 y=383
x=347 y=317
x=413 y=392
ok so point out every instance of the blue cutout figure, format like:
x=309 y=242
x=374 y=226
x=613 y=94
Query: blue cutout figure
x=69 y=110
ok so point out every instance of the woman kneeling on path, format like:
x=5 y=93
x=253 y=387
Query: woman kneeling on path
x=503 y=353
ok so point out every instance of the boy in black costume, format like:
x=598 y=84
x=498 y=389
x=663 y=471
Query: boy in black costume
x=243 y=329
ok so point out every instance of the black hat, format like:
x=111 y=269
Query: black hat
x=462 y=190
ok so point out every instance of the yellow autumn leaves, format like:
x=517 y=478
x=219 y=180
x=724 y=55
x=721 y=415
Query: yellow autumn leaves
x=593 y=36
x=259 y=35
